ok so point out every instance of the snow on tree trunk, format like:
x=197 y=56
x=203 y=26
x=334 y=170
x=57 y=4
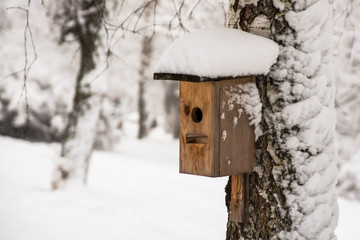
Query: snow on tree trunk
x=83 y=21
x=292 y=189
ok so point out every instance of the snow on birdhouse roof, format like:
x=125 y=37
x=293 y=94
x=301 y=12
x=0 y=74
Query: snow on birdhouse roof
x=215 y=54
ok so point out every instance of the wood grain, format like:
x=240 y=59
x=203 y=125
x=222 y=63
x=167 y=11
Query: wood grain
x=239 y=198
x=197 y=153
x=237 y=150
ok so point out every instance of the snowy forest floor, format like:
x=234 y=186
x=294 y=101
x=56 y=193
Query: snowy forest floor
x=134 y=192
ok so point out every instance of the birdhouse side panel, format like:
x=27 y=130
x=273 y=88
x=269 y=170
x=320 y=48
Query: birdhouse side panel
x=237 y=138
x=197 y=114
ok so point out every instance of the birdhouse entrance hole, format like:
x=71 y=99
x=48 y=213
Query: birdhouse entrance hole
x=196 y=115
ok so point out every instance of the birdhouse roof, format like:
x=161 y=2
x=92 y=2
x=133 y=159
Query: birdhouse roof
x=216 y=54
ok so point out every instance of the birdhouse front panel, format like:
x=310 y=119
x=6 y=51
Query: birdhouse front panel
x=216 y=138
x=197 y=124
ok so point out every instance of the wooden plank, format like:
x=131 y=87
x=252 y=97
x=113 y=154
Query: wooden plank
x=216 y=116
x=194 y=78
x=197 y=119
x=239 y=206
x=237 y=138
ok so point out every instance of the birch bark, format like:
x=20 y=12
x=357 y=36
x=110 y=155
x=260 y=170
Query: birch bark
x=292 y=189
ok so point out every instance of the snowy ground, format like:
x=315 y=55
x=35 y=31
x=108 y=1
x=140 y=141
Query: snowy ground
x=133 y=193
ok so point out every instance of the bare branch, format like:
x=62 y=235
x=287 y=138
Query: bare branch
x=193 y=8
x=120 y=8
x=125 y=24
x=140 y=15
x=177 y=16
x=17 y=8
x=11 y=74
x=27 y=64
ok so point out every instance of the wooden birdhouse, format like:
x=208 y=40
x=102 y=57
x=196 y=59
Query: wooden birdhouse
x=216 y=138
x=216 y=69
x=220 y=107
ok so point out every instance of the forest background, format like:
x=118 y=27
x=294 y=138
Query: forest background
x=38 y=111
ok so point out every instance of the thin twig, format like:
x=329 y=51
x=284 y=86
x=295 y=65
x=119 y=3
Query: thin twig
x=139 y=17
x=193 y=8
x=27 y=65
x=125 y=25
x=11 y=74
x=120 y=8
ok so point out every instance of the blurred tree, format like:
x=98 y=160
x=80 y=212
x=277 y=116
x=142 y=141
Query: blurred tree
x=171 y=106
x=82 y=19
x=347 y=73
x=145 y=63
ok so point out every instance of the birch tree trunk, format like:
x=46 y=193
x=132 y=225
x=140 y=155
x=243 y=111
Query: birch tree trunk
x=83 y=20
x=292 y=189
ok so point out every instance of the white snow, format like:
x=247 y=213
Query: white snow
x=246 y=98
x=219 y=52
x=279 y=4
x=348 y=227
x=304 y=120
x=131 y=194
x=223 y=135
